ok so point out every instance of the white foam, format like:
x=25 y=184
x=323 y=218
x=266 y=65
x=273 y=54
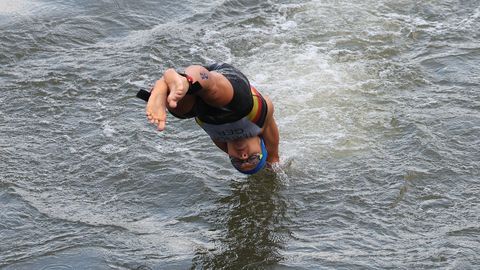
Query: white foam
x=108 y=130
x=111 y=149
x=16 y=6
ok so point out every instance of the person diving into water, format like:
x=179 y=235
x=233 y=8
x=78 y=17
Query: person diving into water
x=238 y=119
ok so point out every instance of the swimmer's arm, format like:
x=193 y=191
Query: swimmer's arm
x=271 y=135
x=272 y=139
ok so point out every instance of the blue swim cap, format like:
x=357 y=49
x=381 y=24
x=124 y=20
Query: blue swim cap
x=261 y=164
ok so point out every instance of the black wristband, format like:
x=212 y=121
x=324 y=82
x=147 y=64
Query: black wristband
x=193 y=87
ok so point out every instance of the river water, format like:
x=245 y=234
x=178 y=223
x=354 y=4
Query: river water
x=377 y=104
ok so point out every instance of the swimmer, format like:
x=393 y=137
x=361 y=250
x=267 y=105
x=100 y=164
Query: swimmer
x=238 y=119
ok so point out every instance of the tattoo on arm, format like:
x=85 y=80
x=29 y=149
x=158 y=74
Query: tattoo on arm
x=204 y=76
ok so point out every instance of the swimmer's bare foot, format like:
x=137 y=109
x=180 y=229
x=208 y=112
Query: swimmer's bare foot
x=156 y=106
x=177 y=85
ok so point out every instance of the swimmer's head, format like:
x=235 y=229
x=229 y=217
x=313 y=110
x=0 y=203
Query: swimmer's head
x=248 y=155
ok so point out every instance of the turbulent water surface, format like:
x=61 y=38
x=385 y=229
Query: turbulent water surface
x=377 y=102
